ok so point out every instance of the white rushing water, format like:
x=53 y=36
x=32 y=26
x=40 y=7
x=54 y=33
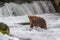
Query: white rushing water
x=22 y=32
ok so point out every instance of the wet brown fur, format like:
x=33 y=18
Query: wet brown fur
x=37 y=21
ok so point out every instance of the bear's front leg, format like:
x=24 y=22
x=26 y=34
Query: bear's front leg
x=31 y=26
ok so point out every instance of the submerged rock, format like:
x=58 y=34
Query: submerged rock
x=4 y=28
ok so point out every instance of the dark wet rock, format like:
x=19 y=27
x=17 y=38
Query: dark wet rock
x=4 y=28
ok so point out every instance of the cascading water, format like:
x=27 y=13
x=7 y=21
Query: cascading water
x=36 y=7
x=26 y=9
x=30 y=8
x=17 y=9
x=1 y=12
x=50 y=6
x=8 y=7
x=45 y=7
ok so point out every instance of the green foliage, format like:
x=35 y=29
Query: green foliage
x=55 y=6
x=4 y=28
x=58 y=8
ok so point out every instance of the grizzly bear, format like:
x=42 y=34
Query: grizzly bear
x=37 y=22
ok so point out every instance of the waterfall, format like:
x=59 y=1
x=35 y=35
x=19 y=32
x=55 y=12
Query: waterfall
x=36 y=7
x=17 y=9
x=40 y=5
x=51 y=8
x=0 y=12
x=26 y=9
x=5 y=12
x=45 y=7
x=8 y=7
x=30 y=7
